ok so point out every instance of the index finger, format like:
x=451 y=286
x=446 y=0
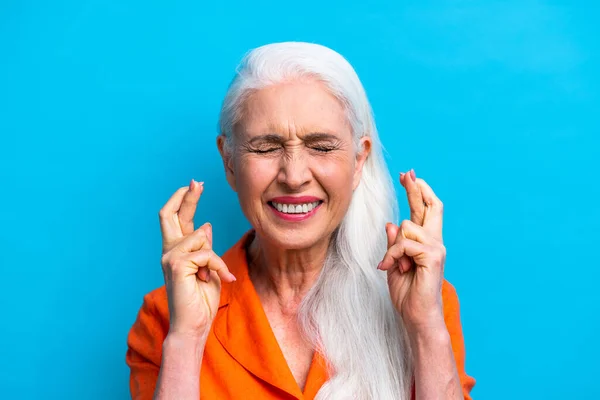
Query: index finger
x=188 y=207
x=169 y=223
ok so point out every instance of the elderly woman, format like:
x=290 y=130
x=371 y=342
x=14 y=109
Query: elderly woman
x=325 y=297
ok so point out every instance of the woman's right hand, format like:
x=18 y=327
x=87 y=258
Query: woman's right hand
x=192 y=271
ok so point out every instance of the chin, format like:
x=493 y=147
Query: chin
x=294 y=238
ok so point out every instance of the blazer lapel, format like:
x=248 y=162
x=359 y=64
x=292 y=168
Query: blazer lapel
x=242 y=327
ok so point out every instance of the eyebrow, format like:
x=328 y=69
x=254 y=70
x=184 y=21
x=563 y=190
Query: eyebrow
x=273 y=138
x=311 y=137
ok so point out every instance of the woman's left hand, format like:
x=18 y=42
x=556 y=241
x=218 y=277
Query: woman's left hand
x=415 y=258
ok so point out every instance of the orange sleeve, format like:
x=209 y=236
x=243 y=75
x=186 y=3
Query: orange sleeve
x=452 y=318
x=144 y=348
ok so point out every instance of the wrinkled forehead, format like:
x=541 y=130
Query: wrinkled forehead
x=293 y=109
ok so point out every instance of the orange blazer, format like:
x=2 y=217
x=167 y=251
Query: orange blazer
x=242 y=359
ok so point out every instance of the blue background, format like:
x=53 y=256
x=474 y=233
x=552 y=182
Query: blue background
x=107 y=107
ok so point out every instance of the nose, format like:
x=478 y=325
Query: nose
x=294 y=171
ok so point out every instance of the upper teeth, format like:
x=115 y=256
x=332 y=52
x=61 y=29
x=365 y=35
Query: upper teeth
x=295 y=208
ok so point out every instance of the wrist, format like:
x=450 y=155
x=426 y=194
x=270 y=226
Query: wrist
x=431 y=326
x=185 y=342
x=427 y=338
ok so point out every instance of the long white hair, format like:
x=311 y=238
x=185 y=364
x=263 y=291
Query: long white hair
x=348 y=314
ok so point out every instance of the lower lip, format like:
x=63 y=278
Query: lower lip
x=295 y=217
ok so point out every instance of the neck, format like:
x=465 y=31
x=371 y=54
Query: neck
x=285 y=275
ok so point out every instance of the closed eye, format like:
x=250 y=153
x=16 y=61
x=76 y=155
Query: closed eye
x=322 y=149
x=265 y=151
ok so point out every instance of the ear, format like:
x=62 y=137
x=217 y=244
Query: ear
x=227 y=160
x=364 y=149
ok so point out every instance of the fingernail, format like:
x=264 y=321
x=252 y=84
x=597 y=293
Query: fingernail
x=379 y=265
x=413 y=176
x=233 y=279
x=192 y=184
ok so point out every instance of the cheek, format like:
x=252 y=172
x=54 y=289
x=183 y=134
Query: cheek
x=336 y=176
x=253 y=177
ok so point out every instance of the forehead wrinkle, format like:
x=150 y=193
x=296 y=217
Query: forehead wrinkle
x=269 y=115
x=306 y=132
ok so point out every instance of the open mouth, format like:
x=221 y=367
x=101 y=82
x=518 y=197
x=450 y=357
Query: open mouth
x=300 y=208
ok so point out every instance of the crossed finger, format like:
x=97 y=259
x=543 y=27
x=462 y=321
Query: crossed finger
x=433 y=218
x=177 y=215
x=426 y=209
x=201 y=239
x=415 y=198
x=188 y=207
x=417 y=211
x=412 y=241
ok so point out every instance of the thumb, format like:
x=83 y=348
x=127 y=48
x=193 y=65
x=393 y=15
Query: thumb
x=391 y=231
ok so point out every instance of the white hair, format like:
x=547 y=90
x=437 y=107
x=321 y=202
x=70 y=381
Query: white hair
x=348 y=314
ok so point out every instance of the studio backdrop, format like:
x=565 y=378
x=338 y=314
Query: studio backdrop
x=108 y=106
